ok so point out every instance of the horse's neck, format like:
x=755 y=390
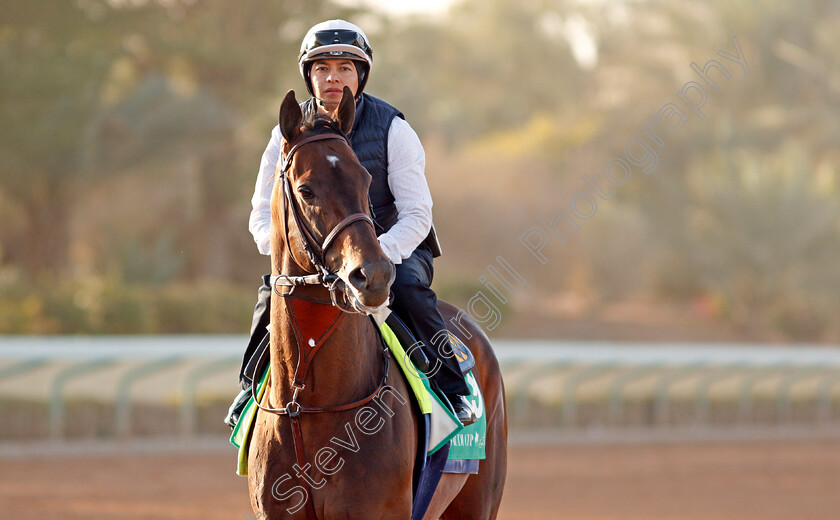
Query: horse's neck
x=343 y=368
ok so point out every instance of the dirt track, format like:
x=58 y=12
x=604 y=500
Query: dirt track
x=734 y=481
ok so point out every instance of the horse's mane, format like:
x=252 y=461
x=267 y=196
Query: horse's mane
x=321 y=124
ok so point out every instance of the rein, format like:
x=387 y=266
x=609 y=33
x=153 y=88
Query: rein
x=315 y=253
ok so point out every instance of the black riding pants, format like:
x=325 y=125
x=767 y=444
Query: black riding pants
x=414 y=302
x=259 y=327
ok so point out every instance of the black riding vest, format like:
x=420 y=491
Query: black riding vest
x=369 y=139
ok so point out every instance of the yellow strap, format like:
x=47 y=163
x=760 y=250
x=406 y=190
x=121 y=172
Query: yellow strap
x=242 y=458
x=411 y=373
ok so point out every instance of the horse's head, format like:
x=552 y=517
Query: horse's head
x=320 y=209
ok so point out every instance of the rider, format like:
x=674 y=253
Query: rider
x=335 y=54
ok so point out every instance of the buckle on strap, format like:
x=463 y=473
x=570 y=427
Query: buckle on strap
x=286 y=280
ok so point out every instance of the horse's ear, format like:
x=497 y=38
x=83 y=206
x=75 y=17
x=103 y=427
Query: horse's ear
x=346 y=111
x=290 y=117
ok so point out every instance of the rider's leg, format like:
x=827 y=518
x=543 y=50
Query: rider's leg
x=258 y=332
x=259 y=324
x=416 y=304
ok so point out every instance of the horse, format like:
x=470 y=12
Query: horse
x=337 y=436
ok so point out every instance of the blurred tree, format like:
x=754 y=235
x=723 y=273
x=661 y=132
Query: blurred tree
x=52 y=63
x=171 y=102
x=765 y=233
x=212 y=74
x=487 y=66
x=742 y=203
x=77 y=106
x=191 y=135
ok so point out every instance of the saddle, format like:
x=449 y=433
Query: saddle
x=466 y=361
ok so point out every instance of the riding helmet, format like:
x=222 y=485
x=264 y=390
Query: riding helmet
x=336 y=39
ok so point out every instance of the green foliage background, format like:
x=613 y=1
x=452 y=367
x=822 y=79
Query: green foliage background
x=131 y=134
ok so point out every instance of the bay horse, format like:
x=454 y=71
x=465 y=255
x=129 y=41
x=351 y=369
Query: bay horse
x=340 y=436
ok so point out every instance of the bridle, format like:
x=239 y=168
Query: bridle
x=315 y=251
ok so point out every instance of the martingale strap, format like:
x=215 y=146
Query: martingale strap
x=323 y=320
x=294 y=413
x=300 y=455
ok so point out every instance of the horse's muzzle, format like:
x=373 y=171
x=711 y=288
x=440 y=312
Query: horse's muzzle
x=372 y=281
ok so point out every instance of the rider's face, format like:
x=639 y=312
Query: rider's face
x=330 y=76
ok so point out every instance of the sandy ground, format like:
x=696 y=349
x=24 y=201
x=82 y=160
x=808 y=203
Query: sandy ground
x=715 y=481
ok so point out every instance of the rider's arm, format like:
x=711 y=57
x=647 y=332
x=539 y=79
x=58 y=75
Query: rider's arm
x=407 y=180
x=260 y=221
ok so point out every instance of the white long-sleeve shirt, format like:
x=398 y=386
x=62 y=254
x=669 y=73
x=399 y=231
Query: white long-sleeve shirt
x=406 y=179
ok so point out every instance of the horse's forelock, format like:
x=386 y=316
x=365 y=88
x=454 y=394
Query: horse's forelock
x=321 y=124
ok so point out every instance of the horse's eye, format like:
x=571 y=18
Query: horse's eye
x=305 y=192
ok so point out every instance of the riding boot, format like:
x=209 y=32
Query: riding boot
x=236 y=408
x=463 y=409
x=457 y=395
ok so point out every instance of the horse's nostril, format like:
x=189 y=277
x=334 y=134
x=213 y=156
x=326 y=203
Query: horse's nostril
x=358 y=278
x=372 y=278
